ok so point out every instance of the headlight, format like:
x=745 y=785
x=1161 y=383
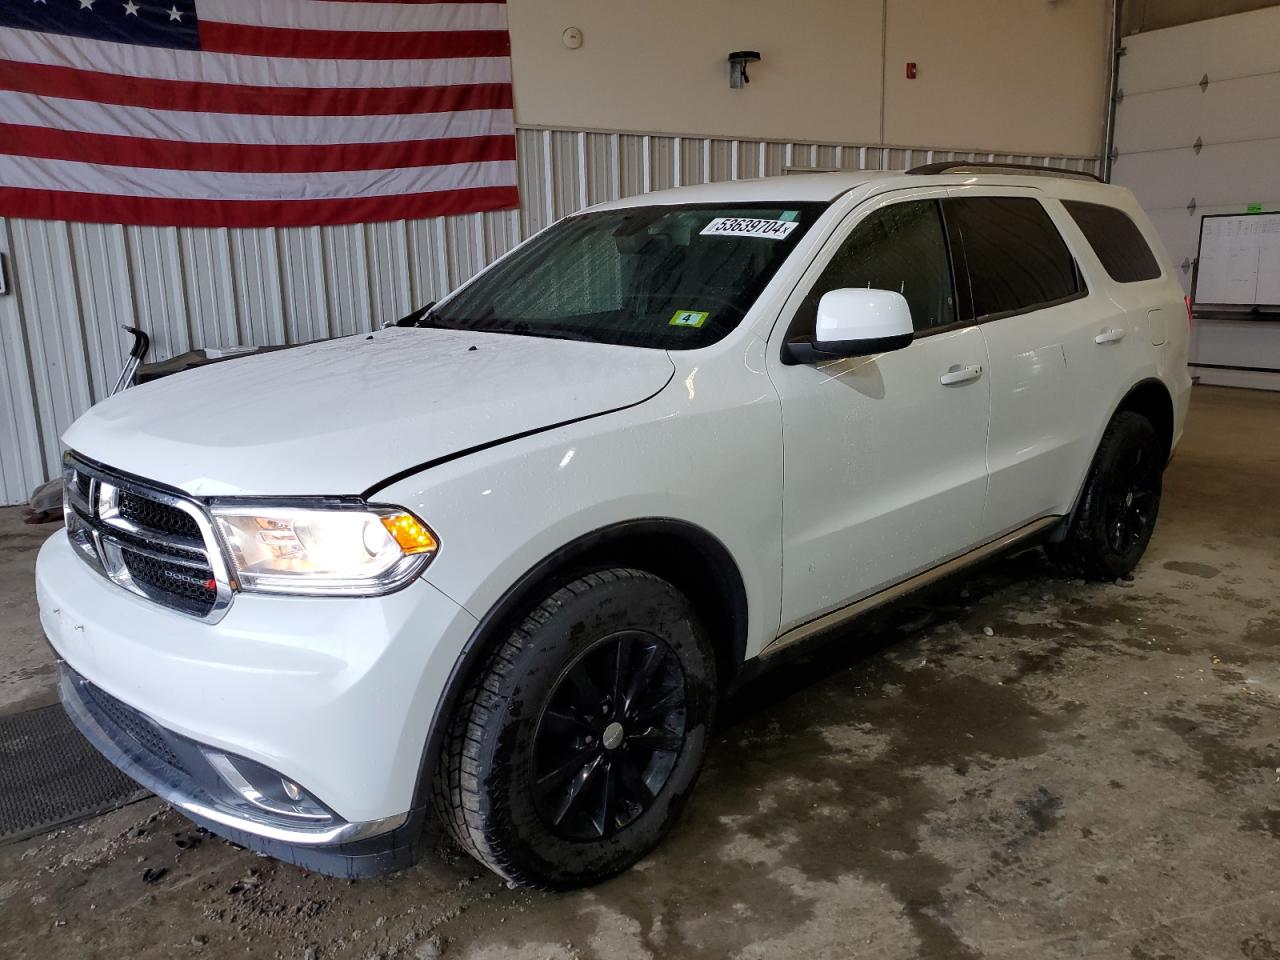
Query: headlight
x=339 y=548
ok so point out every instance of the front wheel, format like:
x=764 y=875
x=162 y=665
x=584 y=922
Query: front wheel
x=576 y=745
x=1116 y=515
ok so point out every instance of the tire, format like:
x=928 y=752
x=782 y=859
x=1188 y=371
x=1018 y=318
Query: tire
x=501 y=779
x=1116 y=513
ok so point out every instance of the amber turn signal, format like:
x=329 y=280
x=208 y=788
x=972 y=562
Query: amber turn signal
x=409 y=532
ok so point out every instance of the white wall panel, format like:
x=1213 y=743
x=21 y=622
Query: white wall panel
x=1236 y=46
x=1221 y=174
x=1246 y=109
x=77 y=284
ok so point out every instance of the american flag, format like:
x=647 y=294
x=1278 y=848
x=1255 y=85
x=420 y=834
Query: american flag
x=254 y=113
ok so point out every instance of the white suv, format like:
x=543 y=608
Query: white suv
x=503 y=559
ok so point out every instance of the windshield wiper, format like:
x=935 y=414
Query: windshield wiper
x=418 y=318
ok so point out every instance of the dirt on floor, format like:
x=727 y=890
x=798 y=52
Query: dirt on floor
x=26 y=665
x=1013 y=765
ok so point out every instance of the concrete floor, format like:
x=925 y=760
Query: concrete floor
x=1015 y=765
x=26 y=666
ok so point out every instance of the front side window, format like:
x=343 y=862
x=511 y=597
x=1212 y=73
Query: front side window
x=669 y=277
x=1017 y=261
x=901 y=247
x=1117 y=241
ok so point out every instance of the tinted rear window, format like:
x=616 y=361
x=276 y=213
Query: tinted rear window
x=1016 y=259
x=1116 y=240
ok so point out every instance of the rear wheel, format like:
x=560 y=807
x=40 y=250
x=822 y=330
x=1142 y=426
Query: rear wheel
x=575 y=747
x=1117 y=511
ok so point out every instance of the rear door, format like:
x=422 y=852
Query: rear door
x=1133 y=318
x=1030 y=302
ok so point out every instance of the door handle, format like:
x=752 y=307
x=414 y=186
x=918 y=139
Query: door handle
x=1109 y=336
x=960 y=374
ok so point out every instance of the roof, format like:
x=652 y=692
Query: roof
x=821 y=187
x=825 y=187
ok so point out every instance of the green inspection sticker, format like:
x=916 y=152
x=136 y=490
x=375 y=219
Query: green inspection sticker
x=688 y=318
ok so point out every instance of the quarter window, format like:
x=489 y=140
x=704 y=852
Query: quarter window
x=1017 y=261
x=1116 y=240
x=901 y=247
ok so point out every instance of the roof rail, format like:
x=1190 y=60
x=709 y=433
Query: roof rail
x=1012 y=169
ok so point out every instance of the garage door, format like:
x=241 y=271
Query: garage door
x=1197 y=133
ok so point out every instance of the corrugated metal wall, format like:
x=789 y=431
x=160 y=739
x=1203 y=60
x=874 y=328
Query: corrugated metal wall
x=74 y=285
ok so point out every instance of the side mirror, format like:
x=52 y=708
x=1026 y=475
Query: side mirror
x=854 y=322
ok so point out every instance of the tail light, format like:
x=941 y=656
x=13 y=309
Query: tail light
x=1187 y=301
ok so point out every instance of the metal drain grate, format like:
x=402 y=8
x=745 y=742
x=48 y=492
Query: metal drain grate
x=51 y=776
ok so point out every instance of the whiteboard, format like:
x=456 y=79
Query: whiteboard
x=1239 y=262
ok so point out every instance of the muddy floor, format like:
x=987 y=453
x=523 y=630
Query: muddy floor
x=1014 y=765
x=26 y=667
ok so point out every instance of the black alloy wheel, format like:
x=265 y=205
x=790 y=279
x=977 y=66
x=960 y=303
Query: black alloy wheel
x=609 y=736
x=577 y=743
x=1134 y=494
x=1116 y=514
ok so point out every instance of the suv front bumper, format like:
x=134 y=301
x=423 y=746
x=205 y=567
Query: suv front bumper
x=176 y=769
x=336 y=694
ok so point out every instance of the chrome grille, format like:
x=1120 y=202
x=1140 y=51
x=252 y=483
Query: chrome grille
x=154 y=542
x=157 y=516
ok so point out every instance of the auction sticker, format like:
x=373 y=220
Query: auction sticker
x=748 y=227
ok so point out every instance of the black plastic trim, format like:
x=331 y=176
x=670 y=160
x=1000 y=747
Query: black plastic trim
x=946 y=166
x=1033 y=308
x=388 y=852
x=945 y=328
x=1232 y=366
x=814 y=351
x=959 y=264
x=141 y=342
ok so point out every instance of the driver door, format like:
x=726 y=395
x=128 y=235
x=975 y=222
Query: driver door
x=884 y=457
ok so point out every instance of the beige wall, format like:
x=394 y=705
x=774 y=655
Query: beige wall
x=659 y=66
x=995 y=75
x=998 y=75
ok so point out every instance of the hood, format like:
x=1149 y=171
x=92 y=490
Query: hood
x=340 y=416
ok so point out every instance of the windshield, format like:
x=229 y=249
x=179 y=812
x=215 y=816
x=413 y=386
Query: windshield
x=670 y=277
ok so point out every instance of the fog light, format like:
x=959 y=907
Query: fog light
x=266 y=789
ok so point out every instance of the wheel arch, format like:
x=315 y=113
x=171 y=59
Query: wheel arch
x=1152 y=399
x=694 y=560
